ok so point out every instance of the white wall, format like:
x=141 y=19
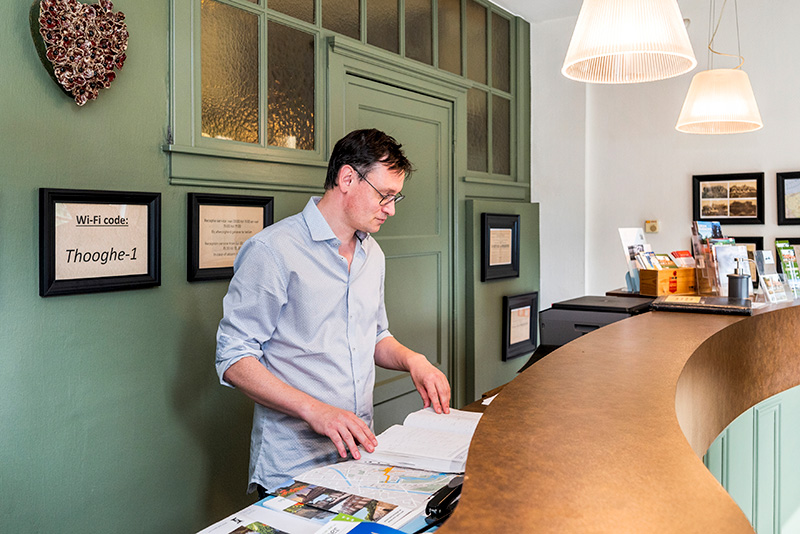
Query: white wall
x=558 y=164
x=637 y=166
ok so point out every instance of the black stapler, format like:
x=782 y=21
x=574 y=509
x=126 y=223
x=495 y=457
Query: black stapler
x=444 y=500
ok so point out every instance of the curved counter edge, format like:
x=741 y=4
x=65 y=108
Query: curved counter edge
x=605 y=434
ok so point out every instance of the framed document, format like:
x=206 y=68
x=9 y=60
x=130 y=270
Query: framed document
x=93 y=241
x=218 y=225
x=499 y=246
x=729 y=198
x=520 y=320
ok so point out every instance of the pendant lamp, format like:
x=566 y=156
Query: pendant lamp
x=720 y=101
x=628 y=41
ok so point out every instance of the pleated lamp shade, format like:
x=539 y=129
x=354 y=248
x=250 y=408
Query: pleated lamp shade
x=628 y=41
x=720 y=101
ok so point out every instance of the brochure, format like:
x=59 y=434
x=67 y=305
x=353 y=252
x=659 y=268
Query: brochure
x=332 y=502
x=632 y=243
x=683 y=258
x=789 y=265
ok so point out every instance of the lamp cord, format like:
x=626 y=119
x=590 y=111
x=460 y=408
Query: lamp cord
x=714 y=34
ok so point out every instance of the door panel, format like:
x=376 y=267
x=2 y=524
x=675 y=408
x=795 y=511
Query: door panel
x=417 y=239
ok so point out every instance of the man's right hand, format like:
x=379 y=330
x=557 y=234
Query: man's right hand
x=343 y=428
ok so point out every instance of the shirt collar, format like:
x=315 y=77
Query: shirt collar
x=317 y=225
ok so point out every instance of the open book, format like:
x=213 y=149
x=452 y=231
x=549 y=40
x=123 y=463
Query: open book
x=427 y=440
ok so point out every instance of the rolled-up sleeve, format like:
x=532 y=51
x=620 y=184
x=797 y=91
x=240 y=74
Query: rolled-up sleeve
x=251 y=308
x=382 y=319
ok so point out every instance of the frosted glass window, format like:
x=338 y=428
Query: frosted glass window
x=501 y=57
x=299 y=9
x=477 y=131
x=383 y=22
x=450 y=36
x=229 y=73
x=342 y=16
x=501 y=135
x=476 y=42
x=290 y=97
x=419 y=30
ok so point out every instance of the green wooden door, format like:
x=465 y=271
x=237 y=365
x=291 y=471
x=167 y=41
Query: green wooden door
x=417 y=240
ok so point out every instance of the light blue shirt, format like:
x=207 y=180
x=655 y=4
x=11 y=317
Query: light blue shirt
x=293 y=305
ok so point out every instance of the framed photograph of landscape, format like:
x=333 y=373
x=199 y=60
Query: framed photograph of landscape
x=788 y=198
x=499 y=246
x=520 y=320
x=218 y=225
x=729 y=198
x=91 y=241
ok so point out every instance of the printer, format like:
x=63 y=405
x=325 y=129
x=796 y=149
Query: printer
x=570 y=319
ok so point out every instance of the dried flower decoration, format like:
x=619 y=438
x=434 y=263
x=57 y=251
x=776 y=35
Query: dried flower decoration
x=80 y=44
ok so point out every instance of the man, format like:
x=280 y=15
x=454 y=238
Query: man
x=304 y=319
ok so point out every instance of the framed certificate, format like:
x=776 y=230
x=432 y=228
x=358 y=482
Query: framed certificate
x=520 y=322
x=92 y=241
x=499 y=246
x=218 y=226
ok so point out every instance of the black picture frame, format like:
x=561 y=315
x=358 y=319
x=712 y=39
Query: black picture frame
x=86 y=268
x=728 y=198
x=513 y=346
x=788 y=182
x=499 y=246
x=194 y=271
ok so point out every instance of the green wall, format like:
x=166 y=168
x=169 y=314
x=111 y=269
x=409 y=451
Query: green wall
x=110 y=410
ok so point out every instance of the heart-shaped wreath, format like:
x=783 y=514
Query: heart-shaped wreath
x=80 y=45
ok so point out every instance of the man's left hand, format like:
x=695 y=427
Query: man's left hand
x=432 y=385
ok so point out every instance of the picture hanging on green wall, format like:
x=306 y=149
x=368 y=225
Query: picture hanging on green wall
x=92 y=241
x=79 y=45
x=520 y=320
x=218 y=226
x=499 y=246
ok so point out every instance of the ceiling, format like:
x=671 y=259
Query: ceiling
x=539 y=10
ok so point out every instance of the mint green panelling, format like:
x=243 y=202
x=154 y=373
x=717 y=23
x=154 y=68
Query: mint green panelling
x=755 y=461
x=767 y=473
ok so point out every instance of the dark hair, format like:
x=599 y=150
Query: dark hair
x=361 y=149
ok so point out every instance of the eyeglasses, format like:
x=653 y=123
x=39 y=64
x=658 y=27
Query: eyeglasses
x=385 y=199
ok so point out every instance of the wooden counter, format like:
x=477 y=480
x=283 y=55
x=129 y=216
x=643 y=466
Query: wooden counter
x=606 y=434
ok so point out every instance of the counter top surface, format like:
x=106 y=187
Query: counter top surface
x=606 y=433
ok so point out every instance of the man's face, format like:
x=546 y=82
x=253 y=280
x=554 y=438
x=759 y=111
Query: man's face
x=365 y=210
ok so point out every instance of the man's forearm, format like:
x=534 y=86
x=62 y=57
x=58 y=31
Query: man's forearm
x=391 y=354
x=342 y=427
x=258 y=383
